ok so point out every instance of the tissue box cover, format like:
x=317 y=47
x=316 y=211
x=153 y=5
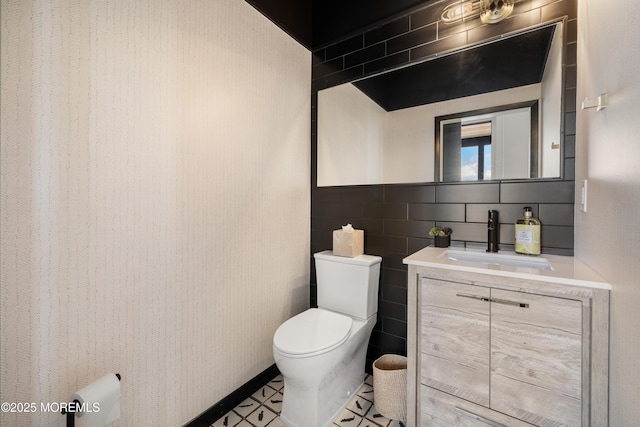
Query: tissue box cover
x=348 y=244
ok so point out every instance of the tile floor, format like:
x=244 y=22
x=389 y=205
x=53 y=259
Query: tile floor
x=264 y=406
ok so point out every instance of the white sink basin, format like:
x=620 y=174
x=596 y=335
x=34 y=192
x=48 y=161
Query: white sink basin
x=497 y=259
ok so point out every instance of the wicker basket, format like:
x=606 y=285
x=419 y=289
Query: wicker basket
x=390 y=386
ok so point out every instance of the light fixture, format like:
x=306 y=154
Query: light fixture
x=460 y=11
x=494 y=11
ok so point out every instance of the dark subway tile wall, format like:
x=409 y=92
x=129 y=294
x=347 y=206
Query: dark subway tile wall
x=397 y=217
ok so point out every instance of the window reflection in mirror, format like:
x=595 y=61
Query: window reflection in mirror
x=495 y=143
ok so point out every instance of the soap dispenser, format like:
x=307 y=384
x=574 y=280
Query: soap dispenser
x=527 y=236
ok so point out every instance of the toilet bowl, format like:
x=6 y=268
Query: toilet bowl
x=321 y=352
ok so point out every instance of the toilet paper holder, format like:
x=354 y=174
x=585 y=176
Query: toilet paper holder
x=71 y=419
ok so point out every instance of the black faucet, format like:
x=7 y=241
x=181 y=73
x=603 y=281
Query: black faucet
x=493 y=227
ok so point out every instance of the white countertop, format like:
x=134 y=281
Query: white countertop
x=566 y=270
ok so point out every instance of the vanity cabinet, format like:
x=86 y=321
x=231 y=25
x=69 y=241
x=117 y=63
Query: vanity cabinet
x=494 y=350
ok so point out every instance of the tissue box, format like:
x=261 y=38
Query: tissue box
x=348 y=243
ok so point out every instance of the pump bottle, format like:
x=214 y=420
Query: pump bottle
x=527 y=236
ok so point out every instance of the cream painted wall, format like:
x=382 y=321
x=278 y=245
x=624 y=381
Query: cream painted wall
x=155 y=200
x=608 y=156
x=350 y=137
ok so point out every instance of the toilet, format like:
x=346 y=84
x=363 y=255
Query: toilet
x=321 y=352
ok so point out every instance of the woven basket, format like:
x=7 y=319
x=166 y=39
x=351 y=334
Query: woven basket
x=390 y=386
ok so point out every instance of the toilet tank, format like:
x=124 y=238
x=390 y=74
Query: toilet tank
x=348 y=285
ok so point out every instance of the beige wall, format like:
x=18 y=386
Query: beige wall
x=608 y=155
x=155 y=200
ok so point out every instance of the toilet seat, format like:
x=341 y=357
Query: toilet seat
x=312 y=332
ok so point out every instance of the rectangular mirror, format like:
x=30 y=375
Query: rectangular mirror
x=382 y=129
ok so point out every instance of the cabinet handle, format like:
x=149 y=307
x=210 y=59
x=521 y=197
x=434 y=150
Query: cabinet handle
x=478 y=297
x=505 y=301
x=496 y=300
x=478 y=417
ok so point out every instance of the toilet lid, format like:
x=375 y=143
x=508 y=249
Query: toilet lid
x=312 y=331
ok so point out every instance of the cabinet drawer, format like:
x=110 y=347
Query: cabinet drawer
x=536 y=357
x=454 y=342
x=440 y=409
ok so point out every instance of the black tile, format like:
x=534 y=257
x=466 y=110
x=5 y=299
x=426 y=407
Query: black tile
x=415 y=244
x=378 y=245
x=570 y=76
x=412 y=39
x=394 y=294
x=386 y=63
x=344 y=47
x=570 y=146
x=556 y=237
x=385 y=210
x=407 y=228
x=467 y=231
x=393 y=261
x=426 y=16
x=507 y=213
x=447 y=30
x=572 y=30
x=570 y=100
x=440 y=46
x=556 y=214
x=570 y=123
x=468 y=193
x=559 y=9
x=569 y=171
x=392 y=29
x=437 y=212
x=571 y=57
x=365 y=55
x=409 y=193
x=336 y=78
x=394 y=277
x=394 y=327
x=393 y=310
x=317 y=57
x=341 y=209
x=537 y=192
x=326 y=68
x=347 y=194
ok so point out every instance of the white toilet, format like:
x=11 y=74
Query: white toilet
x=321 y=352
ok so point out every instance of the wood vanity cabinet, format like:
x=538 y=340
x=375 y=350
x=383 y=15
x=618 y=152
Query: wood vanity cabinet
x=489 y=350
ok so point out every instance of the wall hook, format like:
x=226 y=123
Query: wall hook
x=599 y=104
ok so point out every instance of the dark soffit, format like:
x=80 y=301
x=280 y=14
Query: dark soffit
x=507 y=63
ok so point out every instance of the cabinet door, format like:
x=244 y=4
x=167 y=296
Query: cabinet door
x=536 y=357
x=455 y=339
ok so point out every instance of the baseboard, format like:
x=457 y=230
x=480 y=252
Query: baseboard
x=216 y=412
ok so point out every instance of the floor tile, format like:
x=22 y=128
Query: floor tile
x=366 y=391
x=359 y=405
x=277 y=383
x=261 y=416
x=263 y=394
x=246 y=407
x=377 y=417
x=229 y=420
x=275 y=402
x=276 y=423
x=263 y=408
x=347 y=419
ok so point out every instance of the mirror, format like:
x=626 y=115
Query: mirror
x=382 y=129
x=494 y=143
